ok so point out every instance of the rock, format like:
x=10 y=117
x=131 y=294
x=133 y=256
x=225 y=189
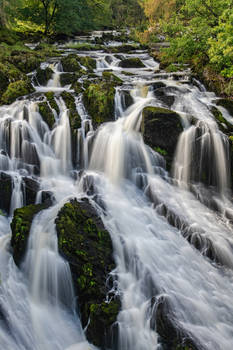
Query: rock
x=44 y=75
x=31 y=188
x=53 y=104
x=86 y=245
x=172 y=337
x=15 y=90
x=161 y=129
x=70 y=63
x=127 y=99
x=47 y=114
x=20 y=226
x=25 y=61
x=4 y=81
x=160 y=93
x=131 y=63
x=88 y=62
x=157 y=85
x=226 y=103
x=99 y=102
x=77 y=87
x=223 y=124
x=68 y=78
x=5 y=192
x=109 y=76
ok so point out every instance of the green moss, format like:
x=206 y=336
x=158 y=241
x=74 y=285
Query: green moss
x=47 y=114
x=20 y=226
x=15 y=90
x=221 y=120
x=75 y=120
x=77 y=87
x=44 y=75
x=163 y=152
x=99 y=101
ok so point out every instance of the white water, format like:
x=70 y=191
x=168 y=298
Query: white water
x=153 y=256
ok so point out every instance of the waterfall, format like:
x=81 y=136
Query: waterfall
x=171 y=232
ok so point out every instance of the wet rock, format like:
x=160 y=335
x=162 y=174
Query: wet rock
x=4 y=81
x=127 y=99
x=226 y=103
x=161 y=129
x=68 y=78
x=223 y=124
x=99 y=102
x=109 y=76
x=85 y=243
x=44 y=75
x=70 y=63
x=53 y=104
x=5 y=192
x=20 y=226
x=161 y=94
x=47 y=114
x=172 y=336
x=15 y=90
x=31 y=188
x=87 y=62
x=77 y=87
x=131 y=63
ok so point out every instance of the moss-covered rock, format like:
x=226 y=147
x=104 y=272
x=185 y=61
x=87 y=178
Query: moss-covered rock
x=224 y=125
x=88 y=62
x=44 y=75
x=87 y=246
x=77 y=87
x=161 y=128
x=109 y=76
x=5 y=192
x=68 y=78
x=99 y=101
x=75 y=120
x=15 y=90
x=70 y=63
x=20 y=226
x=50 y=98
x=47 y=114
x=131 y=63
x=25 y=61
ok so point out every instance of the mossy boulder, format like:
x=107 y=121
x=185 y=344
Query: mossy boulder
x=15 y=90
x=131 y=63
x=109 y=76
x=70 y=63
x=20 y=226
x=47 y=114
x=161 y=129
x=86 y=244
x=87 y=62
x=5 y=192
x=25 y=61
x=99 y=102
x=44 y=75
x=77 y=87
x=68 y=78
x=53 y=104
x=4 y=80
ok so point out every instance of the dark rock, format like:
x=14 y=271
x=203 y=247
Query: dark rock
x=53 y=104
x=5 y=192
x=31 y=188
x=20 y=226
x=44 y=75
x=127 y=99
x=109 y=76
x=131 y=63
x=68 y=78
x=70 y=63
x=85 y=243
x=161 y=94
x=226 y=103
x=47 y=114
x=161 y=129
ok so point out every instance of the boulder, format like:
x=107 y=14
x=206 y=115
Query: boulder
x=161 y=129
x=15 y=90
x=47 y=114
x=53 y=104
x=20 y=226
x=44 y=75
x=5 y=192
x=70 y=63
x=226 y=103
x=86 y=245
x=99 y=102
x=87 y=62
x=131 y=63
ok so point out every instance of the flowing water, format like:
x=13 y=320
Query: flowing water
x=164 y=228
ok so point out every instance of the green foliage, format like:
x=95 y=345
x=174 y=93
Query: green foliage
x=15 y=90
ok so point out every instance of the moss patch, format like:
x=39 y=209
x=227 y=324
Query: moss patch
x=47 y=114
x=131 y=63
x=15 y=90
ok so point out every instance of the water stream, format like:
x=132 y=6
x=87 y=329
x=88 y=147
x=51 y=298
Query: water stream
x=156 y=220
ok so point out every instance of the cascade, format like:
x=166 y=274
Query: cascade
x=171 y=234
